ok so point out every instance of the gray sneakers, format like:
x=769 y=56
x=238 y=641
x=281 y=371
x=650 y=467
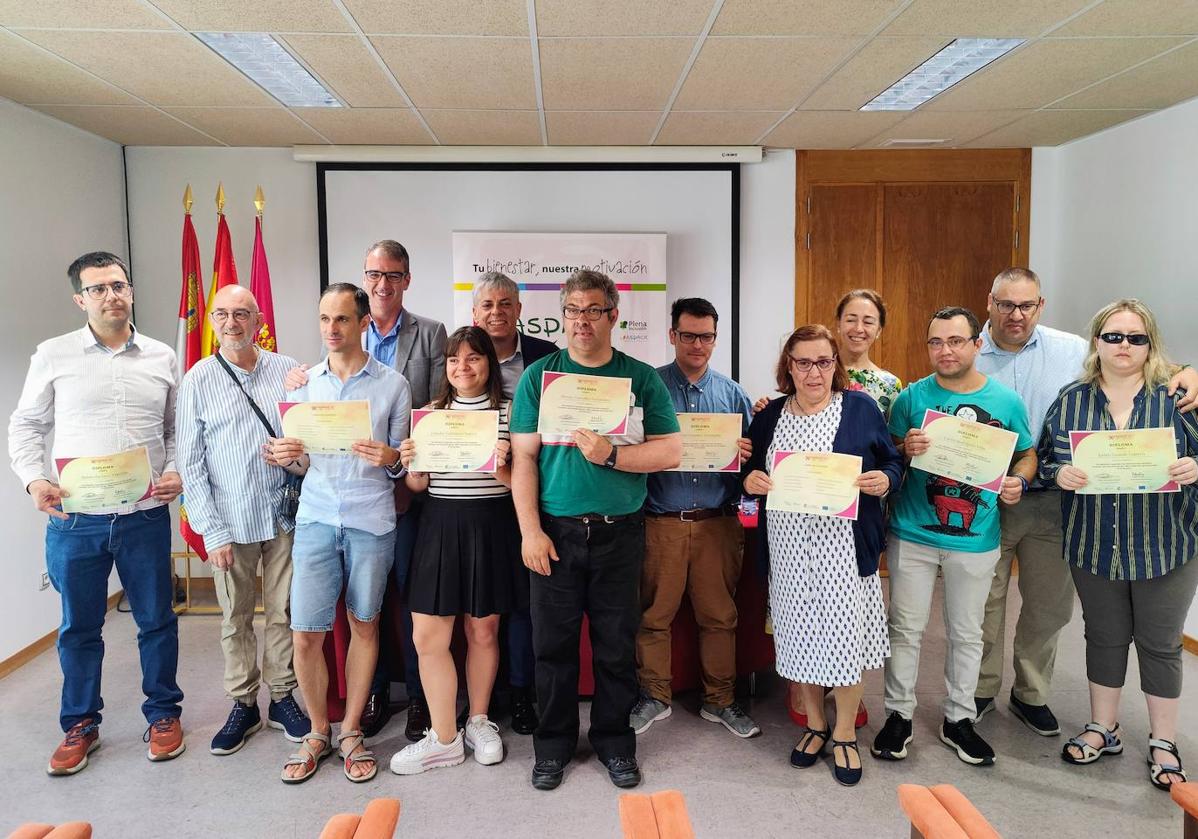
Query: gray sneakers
x=732 y=718
x=645 y=712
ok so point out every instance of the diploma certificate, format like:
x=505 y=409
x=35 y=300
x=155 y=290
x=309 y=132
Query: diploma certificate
x=1121 y=462
x=970 y=452
x=106 y=482
x=710 y=442
x=817 y=483
x=570 y=401
x=454 y=441
x=327 y=427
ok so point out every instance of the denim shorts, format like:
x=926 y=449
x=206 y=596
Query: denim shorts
x=326 y=559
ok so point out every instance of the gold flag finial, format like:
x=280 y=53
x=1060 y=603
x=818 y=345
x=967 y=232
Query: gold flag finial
x=187 y=200
x=220 y=199
x=259 y=199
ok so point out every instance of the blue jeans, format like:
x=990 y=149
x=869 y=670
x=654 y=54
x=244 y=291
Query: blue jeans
x=324 y=559
x=80 y=553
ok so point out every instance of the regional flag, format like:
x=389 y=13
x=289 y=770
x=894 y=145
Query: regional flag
x=260 y=287
x=224 y=271
x=187 y=344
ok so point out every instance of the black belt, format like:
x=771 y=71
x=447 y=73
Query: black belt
x=599 y=518
x=696 y=515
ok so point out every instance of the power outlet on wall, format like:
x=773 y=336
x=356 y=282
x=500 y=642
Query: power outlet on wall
x=45 y=583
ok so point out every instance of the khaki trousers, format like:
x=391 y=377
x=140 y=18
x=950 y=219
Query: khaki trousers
x=703 y=560
x=236 y=593
x=1032 y=531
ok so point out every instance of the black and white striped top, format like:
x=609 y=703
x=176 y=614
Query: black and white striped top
x=472 y=484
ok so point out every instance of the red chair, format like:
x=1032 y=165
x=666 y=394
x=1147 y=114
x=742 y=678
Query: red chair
x=661 y=815
x=1186 y=796
x=70 y=830
x=942 y=812
x=377 y=822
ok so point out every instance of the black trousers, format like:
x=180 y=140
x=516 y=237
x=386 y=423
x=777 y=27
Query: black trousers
x=598 y=572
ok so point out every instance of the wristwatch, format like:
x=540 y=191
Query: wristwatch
x=1023 y=481
x=396 y=469
x=610 y=463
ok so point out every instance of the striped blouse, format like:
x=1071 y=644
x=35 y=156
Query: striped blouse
x=1122 y=537
x=472 y=484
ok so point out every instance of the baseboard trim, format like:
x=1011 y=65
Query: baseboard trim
x=1189 y=644
x=28 y=654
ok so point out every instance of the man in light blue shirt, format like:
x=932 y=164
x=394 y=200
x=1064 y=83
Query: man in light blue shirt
x=345 y=529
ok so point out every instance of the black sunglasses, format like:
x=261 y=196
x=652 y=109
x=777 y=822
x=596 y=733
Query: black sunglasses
x=1139 y=340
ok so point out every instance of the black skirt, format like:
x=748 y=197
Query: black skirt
x=467 y=559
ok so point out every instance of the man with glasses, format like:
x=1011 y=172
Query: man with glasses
x=578 y=498
x=103 y=390
x=939 y=525
x=694 y=543
x=236 y=500
x=1036 y=362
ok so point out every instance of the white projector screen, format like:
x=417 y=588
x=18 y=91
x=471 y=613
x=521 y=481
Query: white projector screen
x=420 y=205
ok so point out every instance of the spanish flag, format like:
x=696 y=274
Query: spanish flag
x=267 y=337
x=187 y=345
x=224 y=271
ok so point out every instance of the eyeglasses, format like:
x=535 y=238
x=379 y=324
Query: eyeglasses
x=393 y=277
x=804 y=365
x=704 y=338
x=1008 y=306
x=592 y=314
x=100 y=290
x=1137 y=340
x=953 y=343
x=239 y=315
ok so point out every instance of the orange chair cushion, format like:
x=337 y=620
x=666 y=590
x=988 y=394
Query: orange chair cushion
x=341 y=826
x=1186 y=796
x=669 y=807
x=963 y=811
x=31 y=831
x=379 y=819
x=71 y=830
x=927 y=814
x=637 y=817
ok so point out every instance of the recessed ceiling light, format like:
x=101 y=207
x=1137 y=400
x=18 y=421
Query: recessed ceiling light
x=959 y=59
x=264 y=60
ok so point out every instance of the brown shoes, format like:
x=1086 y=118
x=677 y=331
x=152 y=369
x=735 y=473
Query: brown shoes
x=165 y=737
x=71 y=754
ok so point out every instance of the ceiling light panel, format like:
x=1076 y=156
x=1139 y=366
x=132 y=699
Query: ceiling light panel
x=264 y=60
x=959 y=59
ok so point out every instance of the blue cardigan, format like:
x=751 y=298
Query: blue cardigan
x=862 y=432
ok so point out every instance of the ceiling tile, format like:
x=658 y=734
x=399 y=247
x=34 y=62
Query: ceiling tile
x=485 y=128
x=759 y=73
x=1045 y=71
x=441 y=17
x=802 y=17
x=346 y=66
x=621 y=17
x=258 y=16
x=982 y=18
x=1051 y=128
x=162 y=68
x=881 y=63
x=367 y=126
x=958 y=127
x=462 y=72
x=829 y=129
x=628 y=74
x=137 y=126
x=600 y=128
x=94 y=14
x=1136 y=17
x=1158 y=84
x=715 y=128
x=248 y=126
x=29 y=75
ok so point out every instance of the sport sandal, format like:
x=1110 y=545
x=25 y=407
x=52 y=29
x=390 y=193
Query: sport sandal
x=1155 y=770
x=1111 y=745
x=307 y=758
x=356 y=738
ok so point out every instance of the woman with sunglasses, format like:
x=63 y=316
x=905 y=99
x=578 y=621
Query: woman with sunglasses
x=1130 y=553
x=825 y=597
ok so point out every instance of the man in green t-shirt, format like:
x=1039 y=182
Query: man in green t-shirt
x=943 y=526
x=578 y=497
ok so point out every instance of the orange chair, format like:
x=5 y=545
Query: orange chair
x=1186 y=796
x=377 y=822
x=661 y=815
x=70 y=830
x=942 y=812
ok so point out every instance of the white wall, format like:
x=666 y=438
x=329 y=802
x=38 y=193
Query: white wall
x=62 y=194
x=1119 y=218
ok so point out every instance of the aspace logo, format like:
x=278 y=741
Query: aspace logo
x=635 y=330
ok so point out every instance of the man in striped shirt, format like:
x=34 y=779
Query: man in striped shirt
x=235 y=498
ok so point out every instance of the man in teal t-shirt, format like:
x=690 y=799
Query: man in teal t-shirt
x=578 y=497
x=938 y=525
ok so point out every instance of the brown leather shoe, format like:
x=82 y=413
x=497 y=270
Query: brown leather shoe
x=165 y=737
x=71 y=754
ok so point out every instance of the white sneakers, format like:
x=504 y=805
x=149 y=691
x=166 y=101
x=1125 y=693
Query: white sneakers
x=481 y=735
